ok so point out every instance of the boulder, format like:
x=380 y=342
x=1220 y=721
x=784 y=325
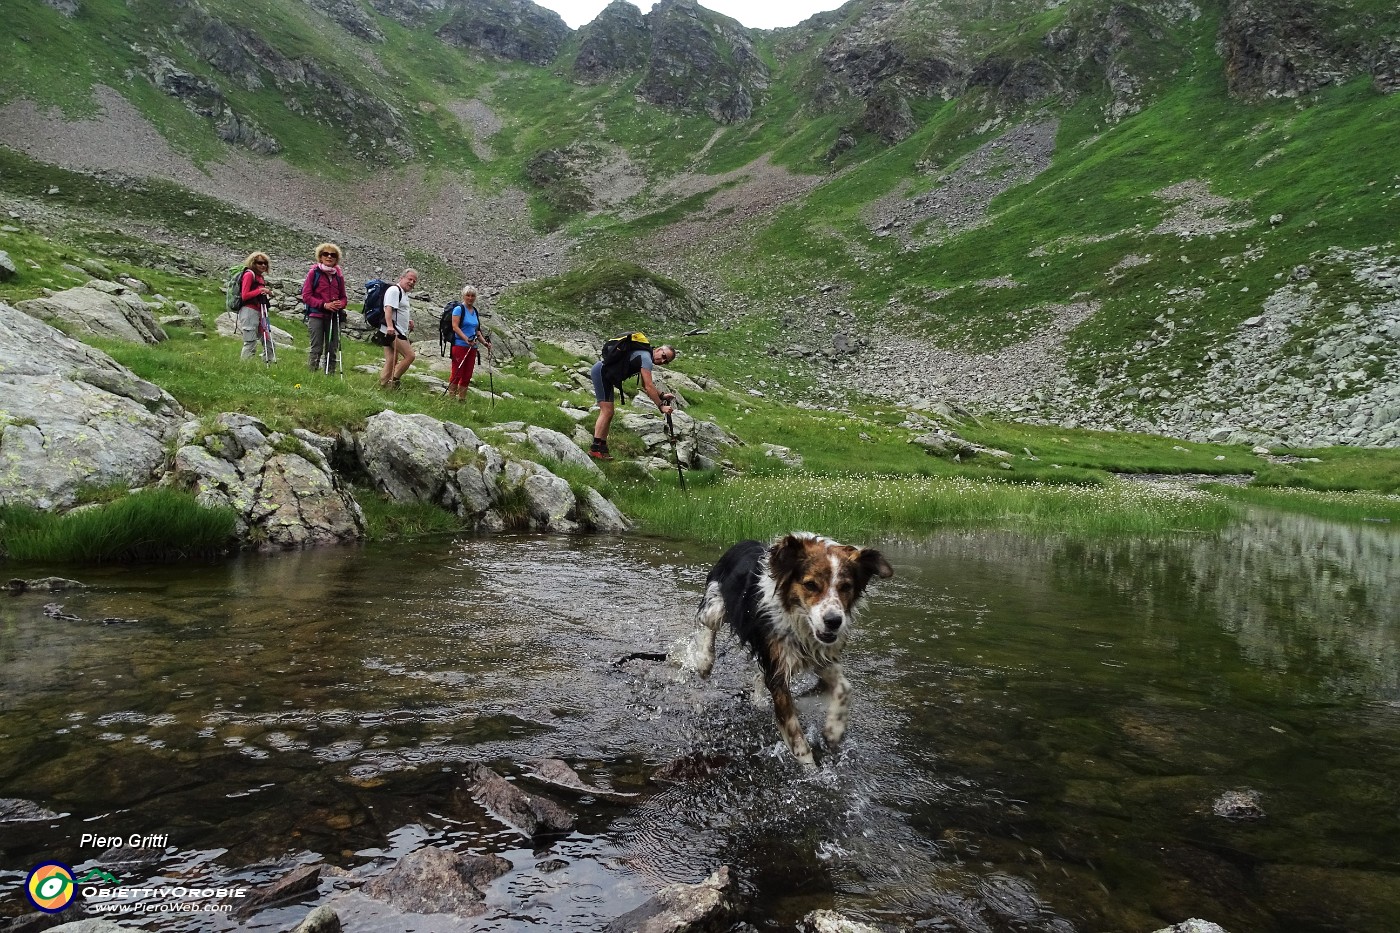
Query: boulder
x=408 y=456
x=436 y=881
x=683 y=908
x=72 y=417
x=283 y=489
x=7 y=267
x=415 y=458
x=99 y=309
x=556 y=446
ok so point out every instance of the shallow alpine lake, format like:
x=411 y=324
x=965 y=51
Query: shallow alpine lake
x=1040 y=730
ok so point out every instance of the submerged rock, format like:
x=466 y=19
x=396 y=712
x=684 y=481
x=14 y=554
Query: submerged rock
x=527 y=813
x=291 y=886
x=1238 y=805
x=1193 y=926
x=829 y=921
x=684 y=908
x=15 y=810
x=320 y=920
x=436 y=881
x=557 y=773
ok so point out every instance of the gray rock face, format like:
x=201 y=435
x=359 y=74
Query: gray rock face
x=436 y=881
x=684 y=908
x=282 y=489
x=616 y=42
x=351 y=17
x=1285 y=48
x=701 y=63
x=102 y=309
x=72 y=417
x=68 y=8
x=7 y=267
x=517 y=30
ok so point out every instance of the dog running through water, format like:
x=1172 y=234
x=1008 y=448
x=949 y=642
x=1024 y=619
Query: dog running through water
x=792 y=604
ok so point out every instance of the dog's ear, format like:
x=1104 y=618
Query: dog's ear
x=874 y=563
x=785 y=557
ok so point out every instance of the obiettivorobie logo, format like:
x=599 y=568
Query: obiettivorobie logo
x=51 y=885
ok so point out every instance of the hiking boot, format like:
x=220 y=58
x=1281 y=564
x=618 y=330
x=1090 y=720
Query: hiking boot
x=599 y=450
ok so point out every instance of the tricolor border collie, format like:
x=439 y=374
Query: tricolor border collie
x=792 y=604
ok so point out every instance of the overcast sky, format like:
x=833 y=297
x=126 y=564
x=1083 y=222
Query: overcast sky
x=756 y=14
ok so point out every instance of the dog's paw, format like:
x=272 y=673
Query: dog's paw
x=834 y=733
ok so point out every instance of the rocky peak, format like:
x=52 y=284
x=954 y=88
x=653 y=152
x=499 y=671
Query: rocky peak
x=701 y=61
x=517 y=30
x=616 y=42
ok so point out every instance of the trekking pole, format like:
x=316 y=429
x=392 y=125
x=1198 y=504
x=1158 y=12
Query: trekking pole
x=266 y=328
x=490 y=380
x=339 y=350
x=675 y=454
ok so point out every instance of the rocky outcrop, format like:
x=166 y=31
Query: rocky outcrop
x=415 y=458
x=351 y=17
x=829 y=921
x=68 y=8
x=516 y=30
x=99 y=309
x=1287 y=48
x=438 y=881
x=282 y=489
x=206 y=100
x=701 y=62
x=307 y=86
x=617 y=42
x=72 y=417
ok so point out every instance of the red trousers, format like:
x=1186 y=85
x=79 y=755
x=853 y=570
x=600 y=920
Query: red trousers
x=463 y=365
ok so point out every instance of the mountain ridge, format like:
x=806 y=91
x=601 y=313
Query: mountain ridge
x=876 y=161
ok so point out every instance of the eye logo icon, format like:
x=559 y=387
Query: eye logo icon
x=50 y=886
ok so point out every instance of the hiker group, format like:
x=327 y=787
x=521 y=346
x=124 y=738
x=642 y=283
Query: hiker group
x=387 y=310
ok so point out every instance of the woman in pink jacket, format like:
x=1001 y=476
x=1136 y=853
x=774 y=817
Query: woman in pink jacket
x=323 y=292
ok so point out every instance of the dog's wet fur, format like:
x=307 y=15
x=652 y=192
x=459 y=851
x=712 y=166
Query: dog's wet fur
x=792 y=603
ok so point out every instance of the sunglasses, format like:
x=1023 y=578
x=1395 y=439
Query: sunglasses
x=332 y=255
x=259 y=262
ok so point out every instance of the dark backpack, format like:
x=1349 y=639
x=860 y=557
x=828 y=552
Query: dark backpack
x=446 y=335
x=374 y=301
x=618 y=363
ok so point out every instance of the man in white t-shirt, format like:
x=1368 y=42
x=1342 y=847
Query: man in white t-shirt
x=398 y=324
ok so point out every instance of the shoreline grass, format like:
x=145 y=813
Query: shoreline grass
x=865 y=507
x=150 y=525
x=1333 y=505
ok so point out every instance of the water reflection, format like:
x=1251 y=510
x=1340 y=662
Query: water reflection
x=1040 y=727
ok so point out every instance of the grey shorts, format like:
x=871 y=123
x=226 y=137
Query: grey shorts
x=601 y=392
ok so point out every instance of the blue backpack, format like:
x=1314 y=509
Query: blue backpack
x=374 y=301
